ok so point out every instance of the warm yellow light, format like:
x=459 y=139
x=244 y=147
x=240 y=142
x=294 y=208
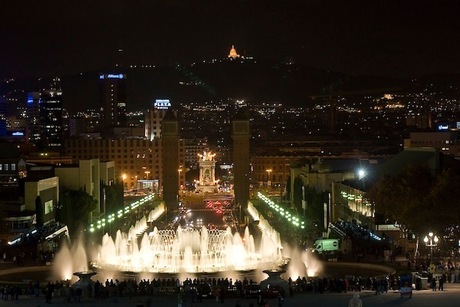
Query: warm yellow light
x=123 y=176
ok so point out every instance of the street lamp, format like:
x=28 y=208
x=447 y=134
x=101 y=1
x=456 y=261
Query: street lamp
x=123 y=179
x=269 y=171
x=431 y=241
x=179 y=171
x=361 y=173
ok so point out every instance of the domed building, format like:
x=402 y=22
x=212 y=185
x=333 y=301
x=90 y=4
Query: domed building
x=233 y=53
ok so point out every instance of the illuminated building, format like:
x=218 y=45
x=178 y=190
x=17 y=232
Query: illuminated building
x=278 y=164
x=33 y=117
x=153 y=118
x=88 y=175
x=139 y=160
x=3 y=116
x=233 y=53
x=192 y=148
x=44 y=113
x=113 y=101
x=445 y=141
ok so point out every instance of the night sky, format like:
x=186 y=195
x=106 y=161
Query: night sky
x=392 y=38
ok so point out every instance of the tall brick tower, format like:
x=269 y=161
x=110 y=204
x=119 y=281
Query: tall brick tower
x=170 y=156
x=241 y=165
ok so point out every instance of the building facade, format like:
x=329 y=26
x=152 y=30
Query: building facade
x=88 y=176
x=154 y=116
x=446 y=142
x=44 y=113
x=134 y=159
x=113 y=100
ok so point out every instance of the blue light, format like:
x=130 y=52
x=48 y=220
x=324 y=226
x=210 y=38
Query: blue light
x=443 y=127
x=112 y=76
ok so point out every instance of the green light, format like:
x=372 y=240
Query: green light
x=111 y=217
x=295 y=220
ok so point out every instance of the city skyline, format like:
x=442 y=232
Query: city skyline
x=396 y=38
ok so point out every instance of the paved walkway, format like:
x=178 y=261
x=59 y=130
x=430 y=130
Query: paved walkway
x=447 y=298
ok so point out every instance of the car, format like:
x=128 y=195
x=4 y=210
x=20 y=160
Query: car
x=252 y=291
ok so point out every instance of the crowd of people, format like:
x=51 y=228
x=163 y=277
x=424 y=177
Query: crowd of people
x=193 y=290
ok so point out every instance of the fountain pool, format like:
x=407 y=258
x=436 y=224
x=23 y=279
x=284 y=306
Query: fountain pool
x=188 y=250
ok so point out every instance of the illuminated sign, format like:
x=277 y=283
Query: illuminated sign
x=31 y=97
x=162 y=104
x=112 y=76
x=17 y=134
x=443 y=127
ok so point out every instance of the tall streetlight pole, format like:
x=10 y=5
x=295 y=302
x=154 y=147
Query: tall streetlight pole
x=269 y=183
x=179 y=171
x=123 y=180
x=431 y=241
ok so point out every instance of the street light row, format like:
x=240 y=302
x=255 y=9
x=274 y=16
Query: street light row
x=295 y=220
x=100 y=223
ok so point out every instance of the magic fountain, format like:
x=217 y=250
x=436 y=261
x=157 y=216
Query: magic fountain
x=188 y=250
x=183 y=250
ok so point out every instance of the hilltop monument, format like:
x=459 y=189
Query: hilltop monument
x=233 y=53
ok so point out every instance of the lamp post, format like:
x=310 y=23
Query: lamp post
x=123 y=180
x=361 y=173
x=431 y=241
x=269 y=171
x=179 y=171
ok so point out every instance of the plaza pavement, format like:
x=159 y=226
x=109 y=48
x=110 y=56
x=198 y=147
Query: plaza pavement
x=449 y=297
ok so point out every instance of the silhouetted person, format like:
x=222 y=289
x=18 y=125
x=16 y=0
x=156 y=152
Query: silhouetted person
x=355 y=301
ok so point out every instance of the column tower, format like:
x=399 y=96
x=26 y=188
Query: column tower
x=241 y=167
x=170 y=158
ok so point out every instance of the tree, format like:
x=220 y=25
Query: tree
x=114 y=199
x=444 y=195
x=297 y=197
x=76 y=207
x=418 y=200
